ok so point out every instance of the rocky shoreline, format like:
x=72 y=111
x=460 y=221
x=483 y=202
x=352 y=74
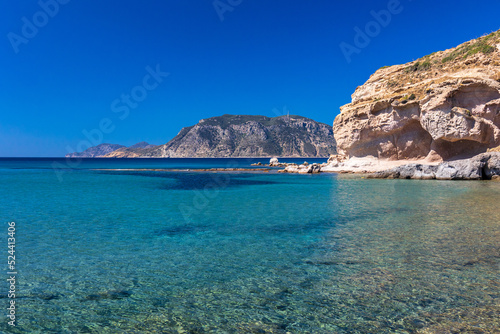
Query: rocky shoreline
x=304 y=168
x=437 y=117
x=265 y=170
x=485 y=166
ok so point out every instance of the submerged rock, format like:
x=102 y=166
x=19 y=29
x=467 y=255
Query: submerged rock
x=112 y=294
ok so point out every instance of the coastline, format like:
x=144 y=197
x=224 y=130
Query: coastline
x=370 y=165
x=485 y=166
x=264 y=170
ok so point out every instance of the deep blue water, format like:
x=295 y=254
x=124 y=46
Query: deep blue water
x=62 y=164
x=104 y=250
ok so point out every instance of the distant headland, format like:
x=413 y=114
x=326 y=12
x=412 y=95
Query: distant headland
x=233 y=136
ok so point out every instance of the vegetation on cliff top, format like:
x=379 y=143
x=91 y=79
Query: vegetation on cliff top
x=416 y=77
x=484 y=45
x=471 y=48
x=480 y=51
x=226 y=120
x=286 y=135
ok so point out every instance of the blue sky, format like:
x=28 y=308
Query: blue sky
x=85 y=66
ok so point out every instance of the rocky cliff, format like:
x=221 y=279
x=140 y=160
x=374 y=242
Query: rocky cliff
x=443 y=106
x=245 y=136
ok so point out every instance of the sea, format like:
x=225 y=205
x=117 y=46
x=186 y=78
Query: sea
x=162 y=246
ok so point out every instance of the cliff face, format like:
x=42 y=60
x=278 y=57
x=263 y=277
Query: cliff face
x=246 y=136
x=95 y=151
x=442 y=106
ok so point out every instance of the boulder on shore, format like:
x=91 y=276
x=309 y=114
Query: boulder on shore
x=484 y=166
x=273 y=162
x=302 y=169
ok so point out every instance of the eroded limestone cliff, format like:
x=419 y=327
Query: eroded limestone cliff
x=443 y=106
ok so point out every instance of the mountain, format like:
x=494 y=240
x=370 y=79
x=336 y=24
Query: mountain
x=142 y=144
x=105 y=149
x=133 y=151
x=95 y=151
x=245 y=136
x=440 y=107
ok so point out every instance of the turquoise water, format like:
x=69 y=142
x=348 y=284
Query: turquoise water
x=110 y=251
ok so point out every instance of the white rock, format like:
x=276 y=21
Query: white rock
x=273 y=162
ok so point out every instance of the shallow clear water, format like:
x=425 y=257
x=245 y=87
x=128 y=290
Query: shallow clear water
x=107 y=251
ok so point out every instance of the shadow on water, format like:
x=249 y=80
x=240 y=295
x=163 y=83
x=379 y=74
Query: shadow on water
x=180 y=230
x=112 y=295
x=327 y=223
x=198 y=180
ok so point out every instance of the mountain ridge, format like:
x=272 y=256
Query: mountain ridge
x=241 y=136
x=95 y=151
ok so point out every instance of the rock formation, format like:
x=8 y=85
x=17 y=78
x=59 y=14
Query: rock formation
x=484 y=166
x=302 y=169
x=273 y=162
x=443 y=106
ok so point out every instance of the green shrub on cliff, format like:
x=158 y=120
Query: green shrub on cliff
x=418 y=66
x=470 y=49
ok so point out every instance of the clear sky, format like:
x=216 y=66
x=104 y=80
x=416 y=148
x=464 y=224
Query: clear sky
x=75 y=66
